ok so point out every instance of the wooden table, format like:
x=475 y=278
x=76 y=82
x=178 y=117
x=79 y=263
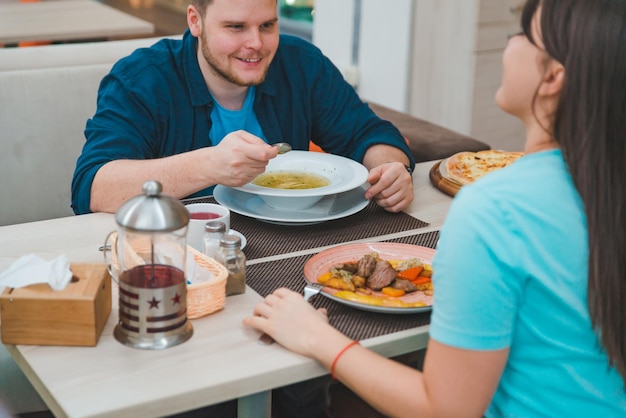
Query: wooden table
x=223 y=360
x=67 y=20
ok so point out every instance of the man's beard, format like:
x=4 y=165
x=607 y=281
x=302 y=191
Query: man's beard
x=226 y=73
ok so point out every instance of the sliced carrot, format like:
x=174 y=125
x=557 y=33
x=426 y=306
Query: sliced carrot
x=392 y=291
x=410 y=273
x=323 y=278
x=422 y=280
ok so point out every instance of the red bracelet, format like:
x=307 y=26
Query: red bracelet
x=343 y=350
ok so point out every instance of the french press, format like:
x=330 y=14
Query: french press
x=147 y=259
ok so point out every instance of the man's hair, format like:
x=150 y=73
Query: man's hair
x=202 y=5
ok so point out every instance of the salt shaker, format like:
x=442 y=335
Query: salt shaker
x=231 y=257
x=213 y=233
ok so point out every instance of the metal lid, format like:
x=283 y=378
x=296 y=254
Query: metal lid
x=152 y=211
x=230 y=241
x=214 y=226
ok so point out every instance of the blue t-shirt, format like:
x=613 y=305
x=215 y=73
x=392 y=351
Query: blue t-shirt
x=511 y=271
x=155 y=103
x=226 y=121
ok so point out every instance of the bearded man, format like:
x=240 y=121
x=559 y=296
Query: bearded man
x=204 y=110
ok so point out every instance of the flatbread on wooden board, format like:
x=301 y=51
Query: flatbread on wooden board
x=466 y=167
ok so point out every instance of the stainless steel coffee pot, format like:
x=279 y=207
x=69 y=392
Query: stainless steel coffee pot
x=147 y=257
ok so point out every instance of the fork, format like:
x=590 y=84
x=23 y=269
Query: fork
x=310 y=290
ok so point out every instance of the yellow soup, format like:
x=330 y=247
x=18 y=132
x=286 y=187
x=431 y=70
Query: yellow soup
x=291 y=180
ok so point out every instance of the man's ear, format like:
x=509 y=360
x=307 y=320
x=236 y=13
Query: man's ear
x=194 y=21
x=553 y=79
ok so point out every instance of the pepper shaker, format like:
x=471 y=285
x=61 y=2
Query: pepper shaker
x=231 y=257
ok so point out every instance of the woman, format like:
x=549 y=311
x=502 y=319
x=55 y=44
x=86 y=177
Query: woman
x=538 y=327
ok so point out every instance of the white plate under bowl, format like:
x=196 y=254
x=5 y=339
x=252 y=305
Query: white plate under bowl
x=329 y=208
x=344 y=174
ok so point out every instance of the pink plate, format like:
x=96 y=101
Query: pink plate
x=323 y=261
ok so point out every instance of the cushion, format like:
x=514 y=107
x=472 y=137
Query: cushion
x=427 y=140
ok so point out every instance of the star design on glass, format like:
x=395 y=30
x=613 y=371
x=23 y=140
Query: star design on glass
x=154 y=303
x=176 y=299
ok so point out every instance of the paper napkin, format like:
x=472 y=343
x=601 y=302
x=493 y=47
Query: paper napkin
x=31 y=269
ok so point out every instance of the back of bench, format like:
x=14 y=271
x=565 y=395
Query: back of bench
x=43 y=116
x=70 y=55
x=47 y=93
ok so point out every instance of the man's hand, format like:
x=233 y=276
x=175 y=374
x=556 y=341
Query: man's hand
x=239 y=158
x=391 y=186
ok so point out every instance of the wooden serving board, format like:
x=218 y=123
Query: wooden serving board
x=449 y=187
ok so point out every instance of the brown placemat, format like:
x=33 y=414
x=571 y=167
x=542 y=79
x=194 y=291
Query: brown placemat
x=265 y=277
x=266 y=239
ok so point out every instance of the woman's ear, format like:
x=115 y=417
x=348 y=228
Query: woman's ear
x=553 y=79
x=194 y=21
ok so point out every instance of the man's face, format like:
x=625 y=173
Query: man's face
x=238 y=40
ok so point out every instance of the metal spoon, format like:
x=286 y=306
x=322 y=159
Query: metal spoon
x=283 y=147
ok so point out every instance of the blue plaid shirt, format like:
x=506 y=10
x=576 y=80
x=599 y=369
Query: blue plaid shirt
x=155 y=103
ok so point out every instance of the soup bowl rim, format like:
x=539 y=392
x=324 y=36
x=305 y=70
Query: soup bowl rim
x=344 y=174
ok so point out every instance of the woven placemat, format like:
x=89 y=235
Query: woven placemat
x=266 y=239
x=265 y=277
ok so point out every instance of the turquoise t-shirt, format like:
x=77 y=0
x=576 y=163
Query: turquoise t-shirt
x=226 y=121
x=511 y=271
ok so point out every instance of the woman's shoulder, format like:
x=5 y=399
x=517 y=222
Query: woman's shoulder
x=534 y=180
x=531 y=173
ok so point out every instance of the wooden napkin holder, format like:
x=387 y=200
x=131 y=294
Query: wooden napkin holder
x=74 y=316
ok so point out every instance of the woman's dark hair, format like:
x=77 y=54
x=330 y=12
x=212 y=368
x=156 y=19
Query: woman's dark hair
x=588 y=37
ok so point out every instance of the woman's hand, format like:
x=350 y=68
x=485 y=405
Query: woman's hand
x=292 y=322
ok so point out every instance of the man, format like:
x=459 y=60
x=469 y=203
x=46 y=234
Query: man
x=203 y=111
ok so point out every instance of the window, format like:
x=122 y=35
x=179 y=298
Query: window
x=295 y=17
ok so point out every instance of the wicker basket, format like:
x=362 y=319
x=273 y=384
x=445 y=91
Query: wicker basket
x=210 y=296
x=202 y=298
